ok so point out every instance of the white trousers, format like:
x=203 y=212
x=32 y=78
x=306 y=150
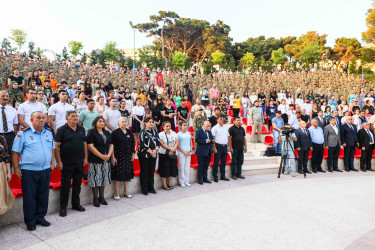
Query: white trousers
x=183 y=168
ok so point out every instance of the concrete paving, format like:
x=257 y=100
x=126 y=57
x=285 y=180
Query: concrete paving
x=323 y=211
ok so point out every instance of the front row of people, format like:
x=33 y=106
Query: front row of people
x=110 y=158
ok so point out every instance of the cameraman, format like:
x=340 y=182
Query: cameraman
x=287 y=149
x=277 y=124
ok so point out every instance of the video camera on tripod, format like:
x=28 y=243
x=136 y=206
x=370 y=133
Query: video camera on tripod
x=287 y=130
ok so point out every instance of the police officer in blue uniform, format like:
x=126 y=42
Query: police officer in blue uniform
x=35 y=145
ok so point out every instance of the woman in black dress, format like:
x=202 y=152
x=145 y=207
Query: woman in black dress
x=159 y=99
x=156 y=115
x=151 y=95
x=122 y=157
x=167 y=155
x=168 y=112
x=122 y=108
x=99 y=142
x=149 y=144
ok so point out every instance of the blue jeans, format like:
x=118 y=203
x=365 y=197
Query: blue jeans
x=276 y=144
x=35 y=190
x=221 y=155
x=245 y=112
x=290 y=159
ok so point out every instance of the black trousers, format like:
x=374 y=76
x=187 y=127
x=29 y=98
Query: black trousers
x=317 y=157
x=366 y=156
x=10 y=139
x=333 y=157
x=236 y=112
x=285 y=118
x=221 y=155
x=147 y=173
x=303 y=158
x=203 y=163
x=71 y=172
x=349 y=152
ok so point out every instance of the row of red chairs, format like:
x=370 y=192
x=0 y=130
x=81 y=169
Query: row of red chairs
x=55 y=179
x=249 y=129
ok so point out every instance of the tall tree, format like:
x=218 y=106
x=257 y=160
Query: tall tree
x=279 y=57
x=64 y=53
x=111 y=52
x=179 y=59
x=310 y=54
x=156 y=27
x=6 y=45
x=309 y=39
x=248 y=59
x=218 y=57
x=345 y=47
x=19 y=37
x=369 y=35
x=75 y=48
x=31 y=47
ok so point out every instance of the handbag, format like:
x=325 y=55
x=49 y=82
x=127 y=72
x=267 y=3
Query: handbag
x=173 y=156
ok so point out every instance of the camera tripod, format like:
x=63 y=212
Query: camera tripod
x=286 y=144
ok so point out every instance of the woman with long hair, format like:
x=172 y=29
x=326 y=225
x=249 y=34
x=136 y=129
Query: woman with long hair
x=100 y=146
x=151 y=95
x=79 y=103
x=156 y=115
x=89 y=91
x=168 y=112
x=138 y=113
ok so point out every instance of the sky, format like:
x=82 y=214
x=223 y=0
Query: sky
x=52 y=24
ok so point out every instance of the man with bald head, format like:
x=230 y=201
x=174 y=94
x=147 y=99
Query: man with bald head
x=203 y=138
x=303 y=146
x=317 y=141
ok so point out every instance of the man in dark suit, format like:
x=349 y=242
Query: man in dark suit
x=303 y=146
x=366 y=144
x=203 y=138
x=320 y=119
x=349 y=140
x=335 y=115
x=332 y=143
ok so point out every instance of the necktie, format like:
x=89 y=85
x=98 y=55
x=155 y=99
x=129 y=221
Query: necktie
x=5 y=122
x=371 y=139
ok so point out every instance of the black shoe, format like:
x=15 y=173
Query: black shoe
x=152 y=191
x=234 y=177
x=370 y=169
x=200 y=182
x=79 y=208
x=322 y=171
x=224 y=179
x=353 y=169
x=300 y=172
x=346 y=170
x=314 y=171
x=241 y=176
x=96 y=202
x=63 y=212
x=207 y=181
x=364 y=170
x=43 y=223
x=307 y=172
x=103 y=201
x=31 y=227
x=330 y=170
x=337 y=170
x=216 y=180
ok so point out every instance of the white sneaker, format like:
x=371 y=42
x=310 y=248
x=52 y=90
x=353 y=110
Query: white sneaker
x=187 y=184
x=286 y=172
x=293 y=174
x=182 y=185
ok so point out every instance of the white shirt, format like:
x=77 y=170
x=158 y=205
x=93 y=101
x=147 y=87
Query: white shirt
x=307 y=107
x=59 y=110
x=139 y=111
x=171 y=140
x=283 y=108
x=12 y=118
x=358 y=122
x=221 y=134
x=112 y=116
x=27 y=108
x=134 y=96
x=335 y=129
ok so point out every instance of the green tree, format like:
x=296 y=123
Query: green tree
x=218 y=57
x=6 y=45
x=311 y=38
x=102 y=59
x=75 y=48
x=279 y=57
x=64 y=53
x=84 y=57
x=345 y=48
x=31 y=47
x=179 y=60
x=310 y=54
x=369 y=35
x=248 y=59
x=19 y=37
x=149 y=56
x=111 y=52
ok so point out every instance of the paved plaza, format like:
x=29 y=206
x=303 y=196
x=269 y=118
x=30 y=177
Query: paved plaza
x=324 y=211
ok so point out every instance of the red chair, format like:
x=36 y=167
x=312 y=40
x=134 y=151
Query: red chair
x=136 y=167
x=176 y=129
x=194 y=161
x=212 y=160
x=55 y=180
x=341 y=154
x=310 y=155
x=230 y=112
x=231 y=120
x=229 y=159
x=136 y=146
x=325 y=154
x=296 y=152
x=192 y=141
x=249 y=129
x=85 y=169
x=268 y=140
x=244 y=121
x=130 y=128
x=241 y=112
x=191 y=130
x=265 y=132
x=16 y=186
x=357 y=153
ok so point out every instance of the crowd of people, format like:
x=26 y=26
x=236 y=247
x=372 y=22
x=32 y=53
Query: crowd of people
x=68 y=114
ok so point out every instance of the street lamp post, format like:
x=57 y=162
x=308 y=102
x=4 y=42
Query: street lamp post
x=131 y=24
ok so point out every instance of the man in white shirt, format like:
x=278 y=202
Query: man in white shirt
x=294 y=120
x=27 y=108
x=9 y=120
x=307 y=106
x=57 y=112
x=358 y=121
x=220 y=148
x=111 y=116
x=81 y=80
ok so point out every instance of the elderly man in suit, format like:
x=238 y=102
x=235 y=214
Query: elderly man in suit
x=203 y=138
x=349 y=140
x=366 y=144
x=332 y=143
x=303 y=146
x=320 y=119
